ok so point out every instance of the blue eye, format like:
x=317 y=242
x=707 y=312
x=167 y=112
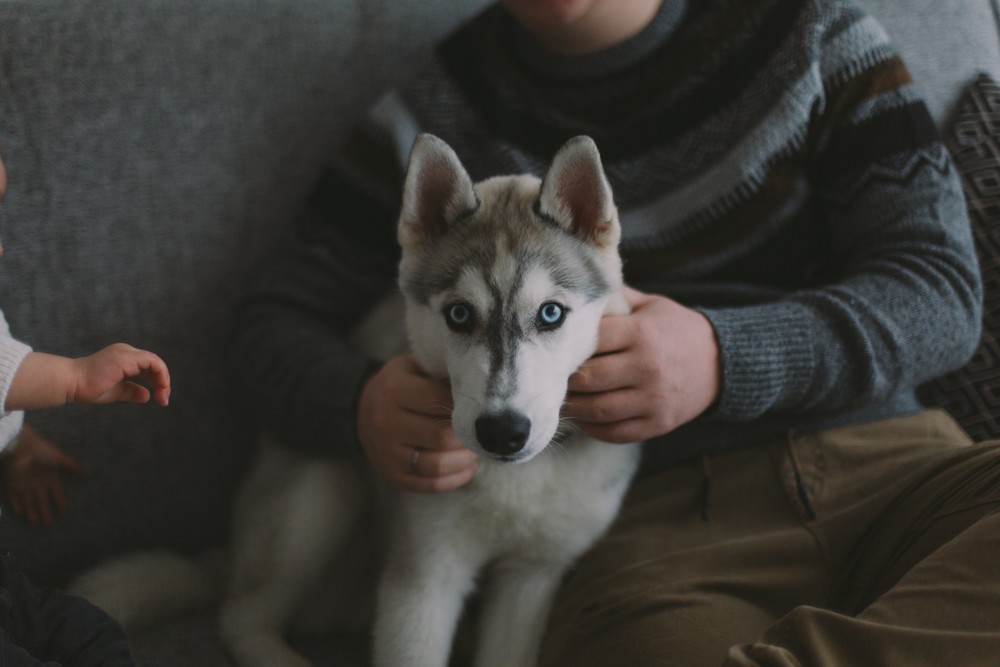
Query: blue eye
x=458 y=317
x=551 y=315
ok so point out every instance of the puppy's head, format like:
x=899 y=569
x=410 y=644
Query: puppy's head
x=505 y=283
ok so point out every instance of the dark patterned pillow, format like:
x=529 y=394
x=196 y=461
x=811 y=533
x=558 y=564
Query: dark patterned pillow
x=972 y=393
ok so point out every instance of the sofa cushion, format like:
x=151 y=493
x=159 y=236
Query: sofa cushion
x=945 y=44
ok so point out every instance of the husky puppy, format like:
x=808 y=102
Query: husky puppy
x=504 y=283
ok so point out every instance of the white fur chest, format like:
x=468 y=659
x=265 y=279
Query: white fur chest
x=549 y=509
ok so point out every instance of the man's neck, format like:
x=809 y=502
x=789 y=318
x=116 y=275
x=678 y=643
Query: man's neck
x=603 y=26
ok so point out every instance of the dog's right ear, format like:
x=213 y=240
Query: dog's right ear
x=576 y=195
x=436 y=192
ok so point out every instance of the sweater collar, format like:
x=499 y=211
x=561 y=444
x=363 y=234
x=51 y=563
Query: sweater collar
x=532 y=55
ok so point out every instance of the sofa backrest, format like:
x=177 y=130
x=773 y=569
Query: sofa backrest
x=156 y=151
x=945 y=43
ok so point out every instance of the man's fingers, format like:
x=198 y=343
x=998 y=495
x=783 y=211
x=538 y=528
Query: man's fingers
x=625 y=431
x=601 y=374
x=431 y=463
x=431 y=402
x=604 y=408
x=405 y=428
x=419 y=484
x=428 y=433
x=616 y=333
x=422 y=395
x=589 y=379
x=635 y=298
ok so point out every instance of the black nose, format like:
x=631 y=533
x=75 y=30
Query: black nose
x=504 y=433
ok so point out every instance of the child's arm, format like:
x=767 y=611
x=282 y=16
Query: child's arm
x=46 y=380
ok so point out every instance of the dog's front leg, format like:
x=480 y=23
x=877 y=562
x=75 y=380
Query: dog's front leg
x=420 y=599
x=292 y=517
x=515 y=613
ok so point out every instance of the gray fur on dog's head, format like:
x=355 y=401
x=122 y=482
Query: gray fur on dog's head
x=501 y=251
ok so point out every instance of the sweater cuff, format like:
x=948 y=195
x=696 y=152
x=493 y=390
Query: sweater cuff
x=10 y=426
x=766 y=354
x=12 y=353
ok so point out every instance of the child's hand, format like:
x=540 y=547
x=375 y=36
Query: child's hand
x=113 y=374
x=108 y=376
x=31 y=475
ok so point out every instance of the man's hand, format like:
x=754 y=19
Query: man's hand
x=32 y=470
x=654 y=370
x=404 y=424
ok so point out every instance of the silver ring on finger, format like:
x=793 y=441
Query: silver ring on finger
x=414 y=460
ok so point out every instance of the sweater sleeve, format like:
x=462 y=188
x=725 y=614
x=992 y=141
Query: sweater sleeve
x=290 y=347
x=48 y=627
x=906 y=305
x=12 y=353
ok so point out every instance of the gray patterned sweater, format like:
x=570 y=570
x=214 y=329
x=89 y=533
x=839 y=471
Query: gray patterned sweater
x=773 y=166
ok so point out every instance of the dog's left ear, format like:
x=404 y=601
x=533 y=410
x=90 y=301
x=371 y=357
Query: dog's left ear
x=576 y=194
x=436 y=192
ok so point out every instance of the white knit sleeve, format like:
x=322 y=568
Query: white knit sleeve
x=12 y=353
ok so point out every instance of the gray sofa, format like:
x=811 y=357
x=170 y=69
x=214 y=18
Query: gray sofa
x=157 y=150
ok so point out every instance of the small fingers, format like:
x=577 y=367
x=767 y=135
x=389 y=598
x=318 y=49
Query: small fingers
x=38 y=507
x=142 y=368
x=162 y=396
x=16 y=503
x=29 y=508
x=132 y=392
x=154 y=374
x=39 y=504
x=158 y=377
x=58 y=497
x=64 y=461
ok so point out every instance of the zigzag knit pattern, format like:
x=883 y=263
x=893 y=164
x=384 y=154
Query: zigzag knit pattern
x=702 y=133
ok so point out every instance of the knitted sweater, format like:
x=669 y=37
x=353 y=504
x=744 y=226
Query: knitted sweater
x=773 y=167
x=12 y=353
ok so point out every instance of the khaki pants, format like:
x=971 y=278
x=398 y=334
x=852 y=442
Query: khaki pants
x=889 y=555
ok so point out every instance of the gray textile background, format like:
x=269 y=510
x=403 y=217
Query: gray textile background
x=157 y=150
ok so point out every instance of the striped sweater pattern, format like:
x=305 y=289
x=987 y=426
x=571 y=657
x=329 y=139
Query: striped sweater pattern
x=773 y=166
